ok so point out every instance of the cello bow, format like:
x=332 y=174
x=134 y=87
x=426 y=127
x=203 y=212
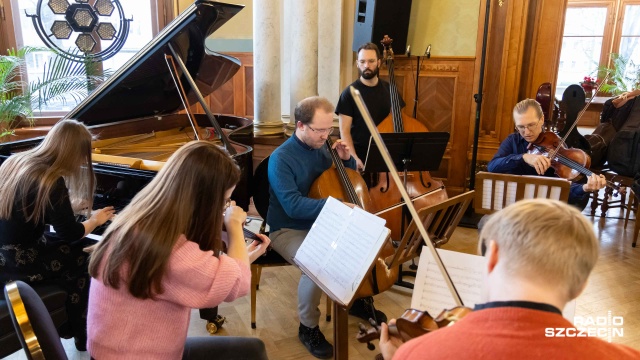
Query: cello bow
x=405 y=196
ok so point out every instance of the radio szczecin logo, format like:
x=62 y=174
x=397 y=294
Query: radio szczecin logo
x=604 y=327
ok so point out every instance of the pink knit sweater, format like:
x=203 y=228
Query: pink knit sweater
x=121 y=326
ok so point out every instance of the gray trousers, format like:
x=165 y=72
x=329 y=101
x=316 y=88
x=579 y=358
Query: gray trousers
x=286 y=242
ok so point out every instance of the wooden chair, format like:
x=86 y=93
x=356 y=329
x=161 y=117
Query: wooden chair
x=271 y=258
x=439 y=220
x=633 y=206
x=32 y=323
x=496 y=191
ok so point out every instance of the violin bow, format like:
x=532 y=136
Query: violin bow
x=405 y=196
x=553 y=153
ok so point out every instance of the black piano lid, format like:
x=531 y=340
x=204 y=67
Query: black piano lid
x=143 y=86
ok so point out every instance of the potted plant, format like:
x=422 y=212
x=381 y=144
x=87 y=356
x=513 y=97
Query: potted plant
x=589 y=84
x=62 y=79
x=623 y=76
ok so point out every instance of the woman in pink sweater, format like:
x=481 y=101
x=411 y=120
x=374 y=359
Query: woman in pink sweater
x=156 y=262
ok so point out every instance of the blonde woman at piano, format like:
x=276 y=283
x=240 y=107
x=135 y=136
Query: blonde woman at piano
x=38 y=188
x=156 y=262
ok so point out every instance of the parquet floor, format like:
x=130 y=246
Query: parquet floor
x=614 y=286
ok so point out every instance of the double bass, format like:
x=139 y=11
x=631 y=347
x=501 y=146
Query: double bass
x=386 y=193
x=413 y=322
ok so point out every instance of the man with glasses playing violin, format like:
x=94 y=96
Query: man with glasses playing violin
x=293 y=167
x=512 y=156
x=539 y=254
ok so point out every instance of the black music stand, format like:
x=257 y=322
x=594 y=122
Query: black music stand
x=418 y=151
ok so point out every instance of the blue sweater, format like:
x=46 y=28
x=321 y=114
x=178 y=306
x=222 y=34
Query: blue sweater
x=508 y=160
x=293 y=167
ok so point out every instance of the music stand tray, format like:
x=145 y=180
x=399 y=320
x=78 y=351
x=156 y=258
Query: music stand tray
x=417 y=151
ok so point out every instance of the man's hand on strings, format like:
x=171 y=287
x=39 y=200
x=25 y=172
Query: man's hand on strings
x=389 y=344
x=359 y=164
x=344 y=151
x=594 y=183
x=539 y=162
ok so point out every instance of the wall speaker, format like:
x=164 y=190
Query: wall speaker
x=376 y=18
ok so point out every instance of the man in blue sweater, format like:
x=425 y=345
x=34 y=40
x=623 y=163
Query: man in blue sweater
x=512 y=156
x=293 y=167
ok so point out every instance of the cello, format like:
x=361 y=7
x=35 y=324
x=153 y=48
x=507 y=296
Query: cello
x=348 y=185
x=385 y=193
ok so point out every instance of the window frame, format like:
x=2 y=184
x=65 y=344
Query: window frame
x=164 y=10
x=612 y=35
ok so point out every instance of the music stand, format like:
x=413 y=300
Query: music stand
x=417 y=151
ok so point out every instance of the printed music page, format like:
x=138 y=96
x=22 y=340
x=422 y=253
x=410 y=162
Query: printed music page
x=340 y=248
x=432 y=294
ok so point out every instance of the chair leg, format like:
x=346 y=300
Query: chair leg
x=594 y=203
x=255 y=280
x=636 y=226
x=328 y=317
x=629 y=208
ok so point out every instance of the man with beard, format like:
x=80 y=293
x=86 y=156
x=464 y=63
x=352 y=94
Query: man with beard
x=376 y=95
x=293 y=167
x=354 y=132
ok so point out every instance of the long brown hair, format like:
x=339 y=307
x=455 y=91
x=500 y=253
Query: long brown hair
x=185 y=197
x=65 y=152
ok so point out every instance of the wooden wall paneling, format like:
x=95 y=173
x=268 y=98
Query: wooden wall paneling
x=444 y=104
x=504 y=73
x=235 y=96
x=546 y=27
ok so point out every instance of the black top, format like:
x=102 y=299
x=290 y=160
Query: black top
x=378 y=101
x=59 y=214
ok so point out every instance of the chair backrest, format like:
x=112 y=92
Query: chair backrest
x=32 y=323
x=439 y=220
x=496 y=191
x=261 y=188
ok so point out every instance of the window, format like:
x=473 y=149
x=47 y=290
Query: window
x=592 y=31
x=141 y=31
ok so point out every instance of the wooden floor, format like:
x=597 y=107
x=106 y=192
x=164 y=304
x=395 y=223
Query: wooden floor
x=614 y=286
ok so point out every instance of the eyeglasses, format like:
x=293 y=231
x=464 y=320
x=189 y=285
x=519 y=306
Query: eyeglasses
x=529 y=127
x=321 y=131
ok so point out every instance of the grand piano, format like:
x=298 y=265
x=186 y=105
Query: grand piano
x=139 y=115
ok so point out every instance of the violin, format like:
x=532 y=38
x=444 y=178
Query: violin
x=413 y=323
x=568 y=163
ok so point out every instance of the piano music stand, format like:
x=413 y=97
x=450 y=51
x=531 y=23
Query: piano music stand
x=418 y=151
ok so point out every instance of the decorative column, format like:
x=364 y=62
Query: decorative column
x=304 y=54
x=266 y=68
x=329 y=40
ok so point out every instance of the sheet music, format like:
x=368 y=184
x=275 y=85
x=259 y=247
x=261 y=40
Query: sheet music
x=466 y=271
x=431 y=292
x=555 y=193
x=486 y=193
x=340 y=247
x=512 y=188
